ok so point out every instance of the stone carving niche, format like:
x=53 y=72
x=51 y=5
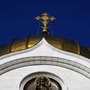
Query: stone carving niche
x=42 y=83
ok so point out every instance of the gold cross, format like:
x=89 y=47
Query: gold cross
x=45 y=21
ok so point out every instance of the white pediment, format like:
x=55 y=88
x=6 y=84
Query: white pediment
x=43 y=48
x=43 y=57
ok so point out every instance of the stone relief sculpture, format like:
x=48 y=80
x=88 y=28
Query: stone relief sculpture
x=42 y=83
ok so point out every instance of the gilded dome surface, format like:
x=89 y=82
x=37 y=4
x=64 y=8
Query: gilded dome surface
x=58 y=42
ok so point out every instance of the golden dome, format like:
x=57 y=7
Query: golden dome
x=58 y=42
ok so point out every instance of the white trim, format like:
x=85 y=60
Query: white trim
x=43 y=60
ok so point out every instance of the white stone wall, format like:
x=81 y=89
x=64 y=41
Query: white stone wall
x=72 y=69
x=72 y=80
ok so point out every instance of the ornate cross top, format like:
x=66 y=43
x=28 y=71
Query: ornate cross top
x=45 y=20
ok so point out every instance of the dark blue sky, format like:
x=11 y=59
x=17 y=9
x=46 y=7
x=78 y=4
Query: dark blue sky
x=72 y=19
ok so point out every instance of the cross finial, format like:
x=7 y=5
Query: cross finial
x=45 y=20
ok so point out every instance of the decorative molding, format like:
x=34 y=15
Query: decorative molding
x=43 y=60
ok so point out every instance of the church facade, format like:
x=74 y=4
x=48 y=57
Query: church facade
x=44 y=63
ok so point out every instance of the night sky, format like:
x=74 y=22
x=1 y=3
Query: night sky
x=17 y=19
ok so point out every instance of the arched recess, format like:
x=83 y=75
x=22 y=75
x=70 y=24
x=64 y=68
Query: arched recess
x=53 y=79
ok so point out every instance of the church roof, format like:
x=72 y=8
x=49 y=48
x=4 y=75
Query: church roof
x=58 y=42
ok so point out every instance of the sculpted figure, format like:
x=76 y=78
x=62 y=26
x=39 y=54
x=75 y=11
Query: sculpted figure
x=43 y=83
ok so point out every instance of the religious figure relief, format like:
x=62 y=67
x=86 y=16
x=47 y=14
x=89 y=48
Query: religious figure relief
x=43 y=83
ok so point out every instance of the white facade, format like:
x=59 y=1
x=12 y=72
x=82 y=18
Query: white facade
x=72 y=71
